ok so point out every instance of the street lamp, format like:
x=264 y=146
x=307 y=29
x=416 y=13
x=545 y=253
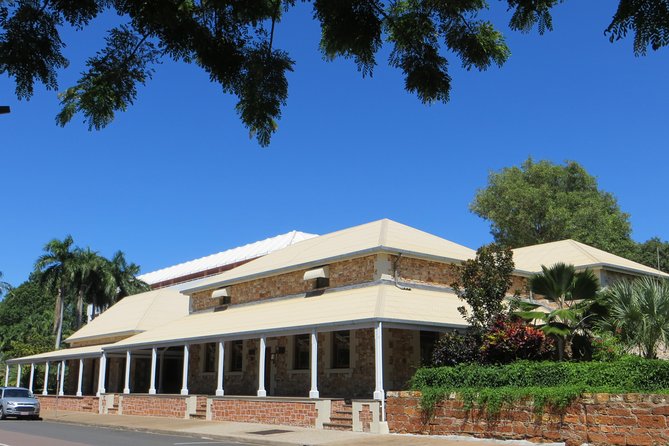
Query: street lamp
x=4 y=109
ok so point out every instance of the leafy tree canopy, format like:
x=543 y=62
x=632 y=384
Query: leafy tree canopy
x=653 y=252
x=232 y=41
x=541 y=202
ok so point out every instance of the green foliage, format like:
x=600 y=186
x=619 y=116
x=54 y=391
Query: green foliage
x=454 y=348
x=233 y=42
x=483 y=284
x=551 y=385
x=507 y=341
x=652 y=250
x=544 y=202
x=607 y=348
x=638 y=314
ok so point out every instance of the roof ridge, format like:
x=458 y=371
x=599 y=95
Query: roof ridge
x=383 y=233
x=583 y=250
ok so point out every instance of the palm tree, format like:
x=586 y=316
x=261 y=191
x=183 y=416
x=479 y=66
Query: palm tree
x=86 y=272
x=571 y=291
x=638 y=314
x=54 y=270
x=125 y=276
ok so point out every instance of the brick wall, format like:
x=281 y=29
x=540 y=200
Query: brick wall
x=154 y=405
x=598 y=419
x=69 y=403
x=289 y=413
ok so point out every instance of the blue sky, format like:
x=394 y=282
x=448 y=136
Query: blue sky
x=176 y=177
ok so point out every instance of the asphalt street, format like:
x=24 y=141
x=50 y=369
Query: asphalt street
x=38 y=433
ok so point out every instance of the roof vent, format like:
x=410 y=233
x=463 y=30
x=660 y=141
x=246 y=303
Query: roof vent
x=318 y=273
x=222 y=292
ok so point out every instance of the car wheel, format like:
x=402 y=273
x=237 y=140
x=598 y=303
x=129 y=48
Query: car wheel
x=3 y=416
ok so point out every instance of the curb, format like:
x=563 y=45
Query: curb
x=231 y=438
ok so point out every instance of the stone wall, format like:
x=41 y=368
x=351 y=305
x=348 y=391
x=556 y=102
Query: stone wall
x=69 y=403
x=343 y=273
x=596 y=419
x=154 y=405
x=288 y=413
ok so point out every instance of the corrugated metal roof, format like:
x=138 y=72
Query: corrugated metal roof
x=134 y=314
x=228 y=257
x=383 y=302
x=57 y=355
x=381 y=235
x=530 y=258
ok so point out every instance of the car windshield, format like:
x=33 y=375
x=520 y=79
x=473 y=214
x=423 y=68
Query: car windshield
x=17 y=393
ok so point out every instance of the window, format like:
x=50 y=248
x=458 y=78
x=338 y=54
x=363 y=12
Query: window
x=341 y=349
x=209 y=365
x=301 y=352
x=428 y=340
x=237 y=356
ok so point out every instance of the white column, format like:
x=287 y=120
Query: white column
x=378 y=361
x=46 y=378
x=128 y=361
x=80 y=380
x=18 y=376
x=152 y=389
x=62 y=378
x=261 y=368
x=221 y=366
x=32 y=376
x=6 y=375
x=313 y=393
x=162 y=371
x=102 y=375
x=184 y=378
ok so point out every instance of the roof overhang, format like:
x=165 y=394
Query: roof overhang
x=92 y=351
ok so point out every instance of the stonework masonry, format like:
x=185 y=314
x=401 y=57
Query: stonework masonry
x=595 y=419
x=289 y=413
x=172 y=406
x=70 y=403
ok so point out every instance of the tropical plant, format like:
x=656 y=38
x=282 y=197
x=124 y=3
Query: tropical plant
x=54 y=270
x=125 y=278
x=638 y=314
x=483 y=283
x=511 y=340
x=454 y=348
x=572 y=292
x=90 y=277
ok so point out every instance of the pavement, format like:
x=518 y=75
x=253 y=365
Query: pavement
x=256 y=434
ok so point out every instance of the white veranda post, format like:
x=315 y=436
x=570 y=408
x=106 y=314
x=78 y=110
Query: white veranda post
x=313 y=393
x=80 y=379
x=261 y=368
x=6 y=375
x=62 y=378
x=46 y=378
x=32 y=377
x=18 y=376
x=102 y=375
x=184 y=380
x=152 y=389
x=221 y=365
x=128 y=361
x=378 y=361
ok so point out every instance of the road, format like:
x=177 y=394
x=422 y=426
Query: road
x=44 y=433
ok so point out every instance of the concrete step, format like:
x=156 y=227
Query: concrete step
x=342 y=420
x=337 y=427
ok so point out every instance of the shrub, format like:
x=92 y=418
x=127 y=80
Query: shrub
x=454 y=348
x=507 y=341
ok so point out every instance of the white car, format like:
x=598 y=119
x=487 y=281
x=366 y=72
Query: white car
x=18 y=402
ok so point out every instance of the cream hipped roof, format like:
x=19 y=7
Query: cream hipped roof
x=380 y=302
x=57 y=355
x=135 y=314
x=382 y=235
x=530 y=258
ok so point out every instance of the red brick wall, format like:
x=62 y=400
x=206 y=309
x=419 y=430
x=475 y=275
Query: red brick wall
x=289 y=413
x=599 y=419
x=154 y=406
x=71 y=403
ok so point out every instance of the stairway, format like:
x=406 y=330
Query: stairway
x=341 y=418
x=113 y=409
x=200 y=409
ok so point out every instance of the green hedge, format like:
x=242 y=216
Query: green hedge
x=550 y=384
x=630 y=374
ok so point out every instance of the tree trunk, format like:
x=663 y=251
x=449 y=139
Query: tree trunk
x=56 y=311
x=59 y=333
x=80 y=308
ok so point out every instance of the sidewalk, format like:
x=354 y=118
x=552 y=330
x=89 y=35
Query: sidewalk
x=252 y=432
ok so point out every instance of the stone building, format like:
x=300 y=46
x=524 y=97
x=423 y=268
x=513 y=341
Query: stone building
x=310 y=334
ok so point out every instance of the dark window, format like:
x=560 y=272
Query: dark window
x=341 y=349
x=322 y=282
x=237 y=356
x=210 y=357
x=301 y=352
x=428 y=340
